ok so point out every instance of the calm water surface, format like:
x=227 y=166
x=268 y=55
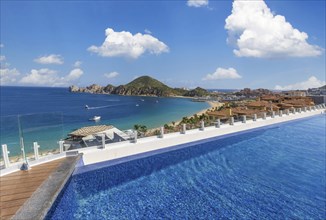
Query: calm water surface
x=49 y=114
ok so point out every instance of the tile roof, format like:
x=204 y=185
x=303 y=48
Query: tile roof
x=85 y=131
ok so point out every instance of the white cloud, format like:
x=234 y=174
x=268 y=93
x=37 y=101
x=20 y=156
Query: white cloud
x=40 y=77
x=312 y=82
x=50 y=59
x=111 y=75
x=197 y=3
x=222 y=73
x=8 y=76
x=74 y=75
x=2 y=45
x=48 y=77
x=125 y=44
x=147 y=31
x=257 y=32
x=77 y=64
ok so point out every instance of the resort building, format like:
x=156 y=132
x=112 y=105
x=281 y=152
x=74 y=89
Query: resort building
x=263 y=106
x=94 y=136
x=267 y=103
x=301 y=93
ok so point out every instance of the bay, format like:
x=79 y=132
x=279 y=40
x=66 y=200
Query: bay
x=47 y=115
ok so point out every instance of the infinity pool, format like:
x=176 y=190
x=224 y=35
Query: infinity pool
x=276 y=172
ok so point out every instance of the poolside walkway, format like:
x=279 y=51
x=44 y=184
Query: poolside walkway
x=16 y=188
x=148 y=144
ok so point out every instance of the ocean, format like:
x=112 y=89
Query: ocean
x=47 y=115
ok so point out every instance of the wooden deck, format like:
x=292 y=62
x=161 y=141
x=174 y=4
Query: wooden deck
x=17 y=187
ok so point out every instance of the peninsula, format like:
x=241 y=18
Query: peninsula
x=142 y=86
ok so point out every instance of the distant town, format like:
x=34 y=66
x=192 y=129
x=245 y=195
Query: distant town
x=318 y=95
x=148 y=86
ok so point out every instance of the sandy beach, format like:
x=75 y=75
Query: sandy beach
x=212 y=104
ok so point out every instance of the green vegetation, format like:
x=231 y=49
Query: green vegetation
x=199 y=92
x=144 y=85
x=141 y=129
x=147 y=84
x=168 y=127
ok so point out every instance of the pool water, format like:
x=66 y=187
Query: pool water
x=276 y=172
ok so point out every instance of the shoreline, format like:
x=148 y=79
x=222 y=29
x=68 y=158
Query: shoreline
x=152 y=145
x=212 y=105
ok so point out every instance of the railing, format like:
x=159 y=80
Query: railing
x=182 y=128
x=26 y=138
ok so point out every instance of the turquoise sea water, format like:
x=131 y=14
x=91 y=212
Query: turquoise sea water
x=274 y=172
x=47 y=115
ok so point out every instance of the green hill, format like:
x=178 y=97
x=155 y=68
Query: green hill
x=199 y=92
x=142 y=86
x=145 y=85
x=146 y=81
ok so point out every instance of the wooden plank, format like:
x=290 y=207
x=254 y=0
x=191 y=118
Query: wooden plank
x=17 y=187
x=8 y=211
x=19 y=190
x=12 y=203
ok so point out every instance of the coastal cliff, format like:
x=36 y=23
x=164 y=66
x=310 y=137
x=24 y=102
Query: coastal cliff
x=142 y=86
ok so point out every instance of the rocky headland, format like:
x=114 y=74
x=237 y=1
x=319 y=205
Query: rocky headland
x=142 y=86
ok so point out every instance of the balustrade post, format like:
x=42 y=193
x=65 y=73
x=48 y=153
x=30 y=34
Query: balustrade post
x=218 y=123
x=244 y=119
x=61 y=142
x=184 y=128
x=5 y=155
x=202 y=125
x=231 y=120
x=161 y=132
x=36 y=147
x=103 y=140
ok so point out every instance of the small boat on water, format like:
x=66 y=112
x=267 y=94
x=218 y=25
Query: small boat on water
x=137 y=105
x=142 y=100
x=95 y=118
x=86 y=106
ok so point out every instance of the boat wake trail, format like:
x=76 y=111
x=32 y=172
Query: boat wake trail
x=97 y=107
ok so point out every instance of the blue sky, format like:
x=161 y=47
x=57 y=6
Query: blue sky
x=212 y=44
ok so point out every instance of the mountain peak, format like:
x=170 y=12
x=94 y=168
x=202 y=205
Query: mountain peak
x=144 y=85
x=146 y=81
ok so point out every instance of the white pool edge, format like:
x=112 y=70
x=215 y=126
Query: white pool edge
x=124 y=149
x=118 y=150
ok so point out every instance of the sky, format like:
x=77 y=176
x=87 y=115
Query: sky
x=211 y=44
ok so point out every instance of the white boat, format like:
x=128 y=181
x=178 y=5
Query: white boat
x=95 y=118
x=137 y=105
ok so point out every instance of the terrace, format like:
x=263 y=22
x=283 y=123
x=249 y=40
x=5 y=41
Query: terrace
x=43 y=170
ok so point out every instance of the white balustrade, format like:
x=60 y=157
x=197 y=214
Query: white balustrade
x=161 y=132
x=5 y=155
x=231 y=120
x=36 y=153
x=202 y=125
x=183 y=131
